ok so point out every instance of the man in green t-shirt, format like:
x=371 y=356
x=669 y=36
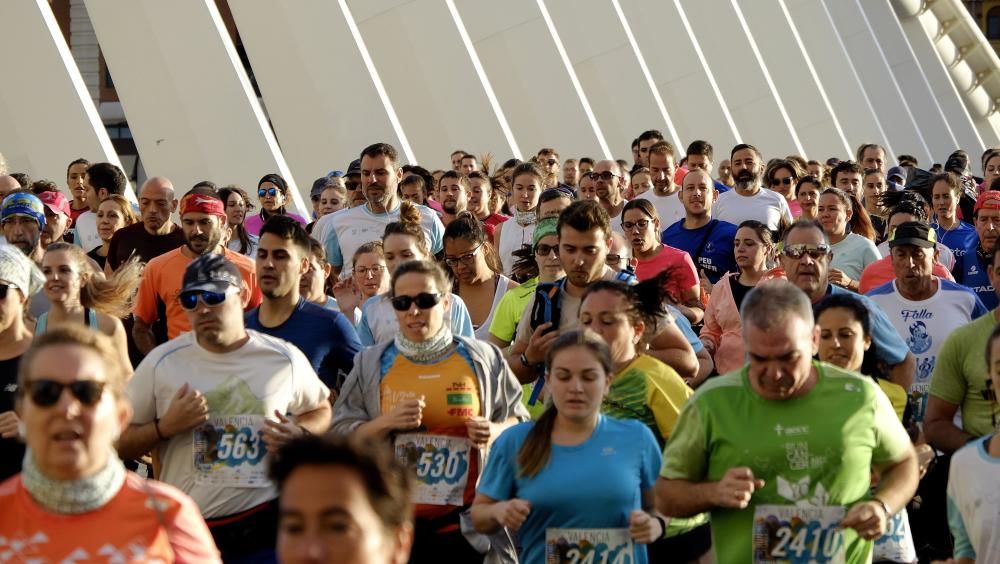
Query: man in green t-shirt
x=781 y=451
x=960 y=380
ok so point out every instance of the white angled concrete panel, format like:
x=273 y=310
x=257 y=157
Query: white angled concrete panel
x=47 y=117
x=188 y=101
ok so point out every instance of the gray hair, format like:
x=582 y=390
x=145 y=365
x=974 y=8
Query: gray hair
x=772 y=303
x=805 y=224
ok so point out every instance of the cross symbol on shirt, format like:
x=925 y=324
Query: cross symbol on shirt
x=778 y=429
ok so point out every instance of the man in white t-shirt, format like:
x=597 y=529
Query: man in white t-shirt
x=353 y=227
x=215 y=402
x=664 y=194
x=102 y=180
x=747 y=199
x=923 y=308
x=610 y=189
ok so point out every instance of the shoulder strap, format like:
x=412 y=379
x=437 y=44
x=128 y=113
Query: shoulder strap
x=546 y=305
x=40 y=323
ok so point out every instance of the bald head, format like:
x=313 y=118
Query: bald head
x=156 y=202
x=8 y=184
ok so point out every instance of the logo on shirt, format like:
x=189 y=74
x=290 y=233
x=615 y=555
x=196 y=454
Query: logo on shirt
x=608 y=451
x=783 y=431
x=918 y=341
x=973 y=270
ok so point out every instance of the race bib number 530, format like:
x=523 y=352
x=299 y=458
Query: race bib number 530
x=799 y=535
x=588 y=546
x=442 y=465
x=229 y=451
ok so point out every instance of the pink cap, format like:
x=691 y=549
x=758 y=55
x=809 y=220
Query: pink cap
x=56 y=202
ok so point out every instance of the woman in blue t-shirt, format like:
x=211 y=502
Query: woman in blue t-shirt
x=575 y=481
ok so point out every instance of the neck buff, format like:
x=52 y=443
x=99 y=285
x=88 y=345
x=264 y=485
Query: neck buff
x=427 y=352
x=71 y=497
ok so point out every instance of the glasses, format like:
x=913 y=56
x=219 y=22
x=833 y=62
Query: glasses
x=551 y=162
x=45 y=393
x=423 y=300
x=614 y=260
x=267 y=192
x=815 y=252
x=374 y=271
x=464 y=259
x=641 y=224
x=787 y=181
x=352 y=184
x=4 y=288
x=544 y=250
x=605 y=176
x=189 y=300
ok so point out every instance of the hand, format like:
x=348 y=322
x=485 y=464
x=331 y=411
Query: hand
x=538 y=344
x=347 y=294
x=8 y=425
x=277 y=433
x=187 y=410
x=868 y=518
x=736 y=488
x=406 y=415
x=839 y=278
x=480 y=431
x=706 y=286
x=511 y=514
x=643 y=527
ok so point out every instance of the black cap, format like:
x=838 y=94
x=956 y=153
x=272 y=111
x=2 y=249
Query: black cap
x=211 y=272
x=319 y=185
x=354 y=167
x=913 y=233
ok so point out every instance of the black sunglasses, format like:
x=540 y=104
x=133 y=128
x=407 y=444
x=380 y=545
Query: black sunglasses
x=189 y=300
x=3 y=290
x=423 y=300
x=779 y=181
x=45 y=393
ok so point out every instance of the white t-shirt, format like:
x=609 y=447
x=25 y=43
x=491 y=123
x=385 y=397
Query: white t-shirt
x=766 y=206
x=322 y=227
x=973 y=499
x=852 y=254
x=945 y=256
x=924 y=325
x=669 y=208
x=86 y=232
x=353 y=227
x=242 y=388
x=512 y=236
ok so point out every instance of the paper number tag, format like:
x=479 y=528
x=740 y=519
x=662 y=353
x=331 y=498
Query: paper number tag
x=442 y=466
x=799 y=535
x=229 y=451
x=588 y=546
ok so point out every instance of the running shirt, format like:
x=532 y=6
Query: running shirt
x=85 y=231
x=11 y=449
x=960 y=239
x=973 y=499
x=971 y=272
x=766 y=206
x=925 y=325
x=650 y=392
x=253 y=223
x=89 y=317
x=483 y=331
x=960 y=376
x=513 y=236
x=593 y=485
x=710 y=246
x=815 y=451
x=669 y=208
x=852 y=254
x=129 y=528
x=350 y=228
x=683 y=275
x=379 y=322
x=504 y=321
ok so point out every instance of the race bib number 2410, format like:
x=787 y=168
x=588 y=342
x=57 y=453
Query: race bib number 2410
x=798 y=535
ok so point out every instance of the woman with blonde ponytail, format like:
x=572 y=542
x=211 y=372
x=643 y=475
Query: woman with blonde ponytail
x=80 y=295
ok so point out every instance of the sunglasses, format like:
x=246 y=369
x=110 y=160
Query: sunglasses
x=267 y=192
x=189 y=300
x=779 y=181
x=544 y=250
x=3 y=290
x=45 y=393
x=352 y=184
x=605 y=176
x=613 y=260
x=815 y=252
x=551 y=162
x=423 y=300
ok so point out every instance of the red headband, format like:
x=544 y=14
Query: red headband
x=200 y=203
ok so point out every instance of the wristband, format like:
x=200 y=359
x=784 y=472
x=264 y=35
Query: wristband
x=524 y=361
x=663 y=526
x=156 y=425
x=885 y=507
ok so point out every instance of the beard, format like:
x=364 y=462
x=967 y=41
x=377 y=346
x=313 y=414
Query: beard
x=451 y=207
x=211 y=242
x=746 y=180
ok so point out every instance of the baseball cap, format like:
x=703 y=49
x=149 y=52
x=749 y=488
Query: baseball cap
x=989 y=199
x=210 y=272
x=913 y=233
x=56 y=202
x=23 y=203
x=354 y=167
x=335 y=174
x=319 y=185
x=200 y=203
x=895 y=172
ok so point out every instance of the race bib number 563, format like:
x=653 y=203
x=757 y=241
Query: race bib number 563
x=229 y=451
x=799 y=535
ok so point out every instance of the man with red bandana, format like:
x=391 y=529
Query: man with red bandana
x=203 y=220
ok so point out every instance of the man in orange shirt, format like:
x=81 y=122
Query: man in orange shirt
x=203 y=220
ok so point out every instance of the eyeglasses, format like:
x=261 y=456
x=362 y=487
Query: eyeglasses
x=464 y=259
x=641 y=224
x=189 y=300
x=374 y=271
x=551 y=162
x=815 y=252
x=614 y=260
x=4 y=288
x=352 y=184
x=273 y=192
x=787 y=181
x=605 y=176
x=544 y=250
x=45 y=393
x=423 y=300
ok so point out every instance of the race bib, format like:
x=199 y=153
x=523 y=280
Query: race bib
x=799 y=535
x=229 y=451
x=588 y=546
x=442 y=465
x=896 y=545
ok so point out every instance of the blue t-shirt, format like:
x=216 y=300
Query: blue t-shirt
x=721 y=188
x=890 y=347
x=326 y=337
x=970 y=272
x=960 y=240
x=710 y=246
x=685 y=326
x=593 y=485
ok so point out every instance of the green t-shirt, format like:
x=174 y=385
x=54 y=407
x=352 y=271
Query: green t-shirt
x=960 y=375
x=510 y=308
x=812 y=451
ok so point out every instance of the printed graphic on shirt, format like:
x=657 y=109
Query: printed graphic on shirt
x=33 y=548
x=783 y=533
x=441 y=463
x=918 y=341
x=588 y=546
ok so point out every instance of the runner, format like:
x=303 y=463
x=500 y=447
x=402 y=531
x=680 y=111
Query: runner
x=526 y=186
x=369 y=278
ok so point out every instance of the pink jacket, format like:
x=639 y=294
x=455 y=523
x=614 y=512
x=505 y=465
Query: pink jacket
x=723 y=330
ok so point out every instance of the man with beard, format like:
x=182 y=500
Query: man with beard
x=972 y=269
x=664 y=193
x=548 y=160
x=203 y=220
x=102 y=180
x=155 y=234
x=380 y=176
x=455 y=189
x=747 y=199
x=57 y=217
x=610 y=190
